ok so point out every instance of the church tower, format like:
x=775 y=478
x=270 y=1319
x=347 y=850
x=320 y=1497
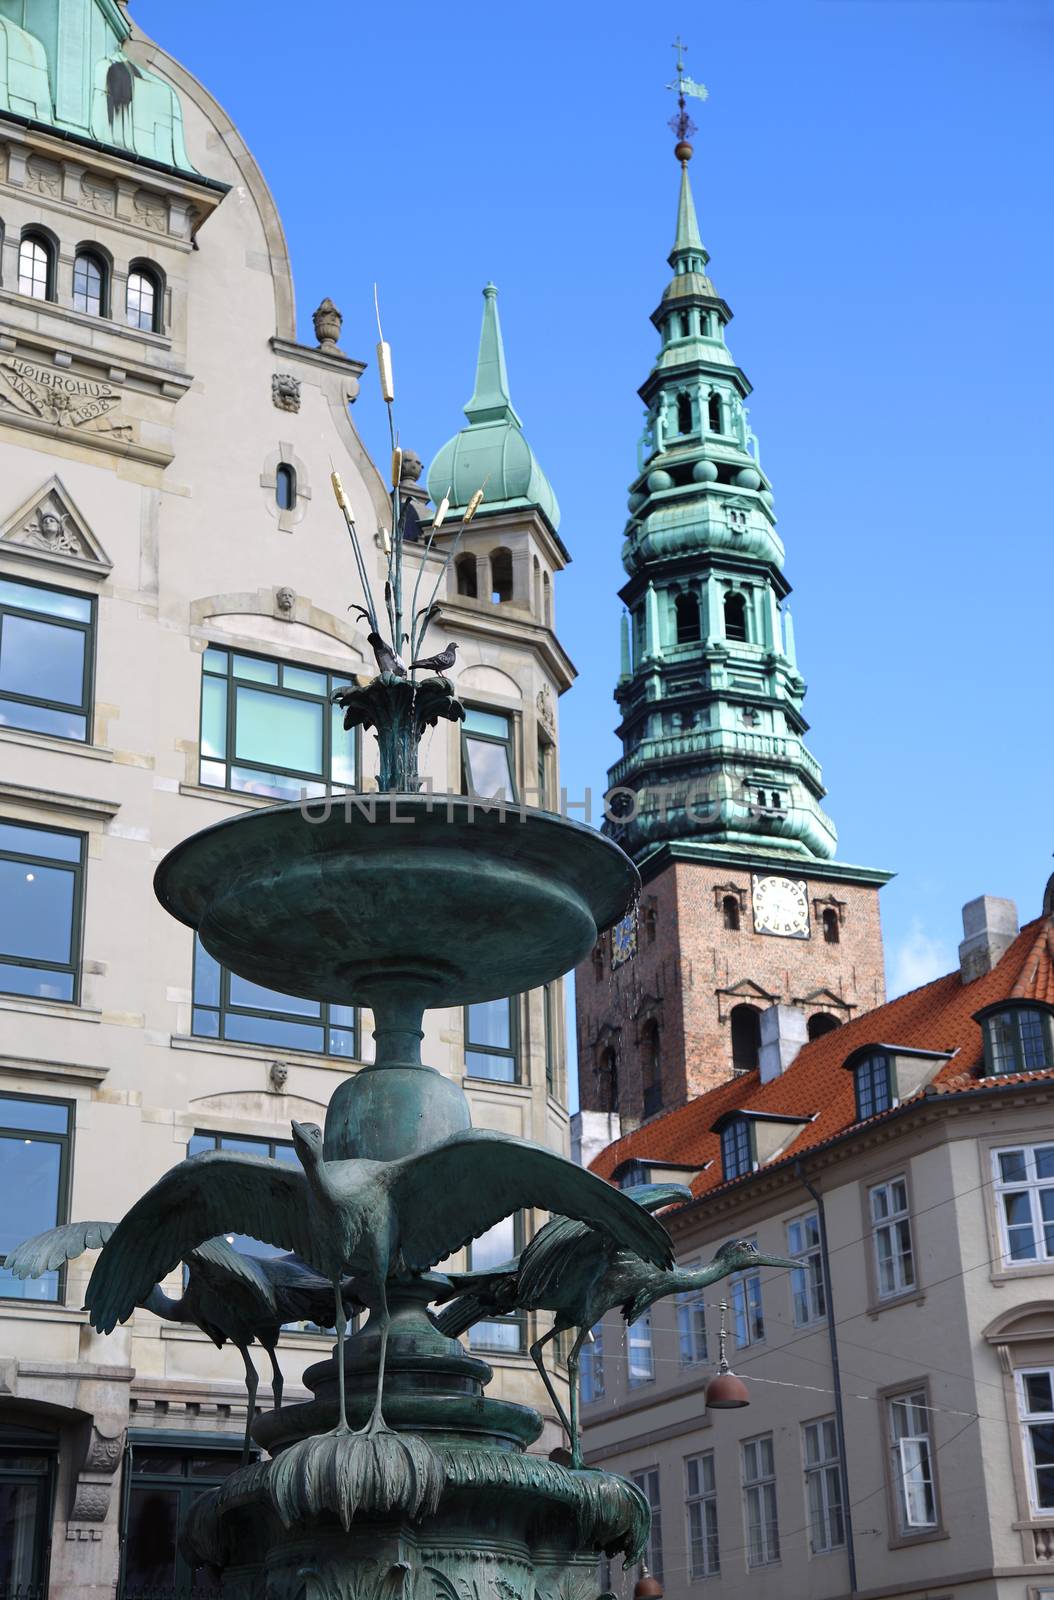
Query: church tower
x=750 y=936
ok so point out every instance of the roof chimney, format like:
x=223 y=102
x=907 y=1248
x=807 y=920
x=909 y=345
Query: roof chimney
x=990 y=926
x=783 y=1032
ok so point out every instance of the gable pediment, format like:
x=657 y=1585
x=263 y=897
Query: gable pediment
x=822 y=997
x=49 y=527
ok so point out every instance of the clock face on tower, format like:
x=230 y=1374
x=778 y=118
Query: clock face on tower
x=781 y=906
x=624 y=939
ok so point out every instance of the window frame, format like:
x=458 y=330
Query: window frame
x=46 y=244
x=761 y=1485
x=508 y=744
x=550 y=1035
x=737 y=1137
x=90 y=632
x=91 y=253
x=1027 y=1420
x=691 y=1324
x=151 y=274
x=514 y=1319
x=322 y=782
x=824 y=1470
x=186 y=1487
x=643 y=1480
x=285 y=474
x=900 y=1532
x=1016 y=1059
x=891 y=1221
x=224 y=1008
x=62 y=1199
x=704 y=1497
x=1033 y=1186
x=870 y=1064
x=637 y=1344
x=591 y=1361
x=747 y=1306
x=808 y=1286
x=512 y=1052
x=20 y=1442
x=79 y=870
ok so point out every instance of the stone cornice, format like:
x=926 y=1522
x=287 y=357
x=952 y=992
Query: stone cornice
x=507 y=630
x=59 y=145
x=815 y=870
x=334 y=361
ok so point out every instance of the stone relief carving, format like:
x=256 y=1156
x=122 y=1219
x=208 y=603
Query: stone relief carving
x=278 y=1074
x=98 y=197
x=546 y=709
x=48 y=530
x=59 y=398
x=285 y=391
x=327 y=322
x=285 y=600
x=44 y=177
x=151 y=212
x=50 y=523
x=96 y=1475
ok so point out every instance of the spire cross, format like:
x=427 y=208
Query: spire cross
x=682 y=124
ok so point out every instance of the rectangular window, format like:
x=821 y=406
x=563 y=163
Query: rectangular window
x=233 y=1008
x=498 y=1247
x=823 y=1485
x=488 y=757
x=704 y=1551
x=163 y=1485
x=46 y=653
x=639 y=1353
x=873 y=1093
x=648 y=1484
x=268 y=727
x=550 y=994
x=891 y=1233
x=748 y=1320
x=591 y=1367
x=759 y=1502
x=1035 y=1403
x=807 y=1285
x=41 y=891
x=691 y=1324
x=911 y=1455
x=490 y=1041
x=737 y=1148
x=34 y=1185
x=1024 y=1195
x=28 y=1457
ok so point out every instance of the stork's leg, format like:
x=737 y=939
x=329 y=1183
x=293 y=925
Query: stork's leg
x=376 y=1423
x=536 y=1357
x=277 y=1381
x=251 y=1383
x=341 y=1322
x=572 y=1379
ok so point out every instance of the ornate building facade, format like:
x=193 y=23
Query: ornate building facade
x=749 y=929
x=175 y=580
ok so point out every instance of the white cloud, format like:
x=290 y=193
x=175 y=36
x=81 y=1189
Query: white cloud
x=918 y=959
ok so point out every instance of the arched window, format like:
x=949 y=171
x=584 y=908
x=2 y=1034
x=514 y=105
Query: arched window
x=285 y=487
x=501 y=575
x=687 y=609
x=651 y=1068
x=91 y=284
x=746 y=1037
x=547 y=590
x=684 y=413
x=820 y=1023
x=143 y=298
x=686 y=326
x=831 y=931
x=704 y=324
x=36 y=266
x=735 y=616
x=465 y=572
x=730 y=912
x=714 y=413
x=607 y=1081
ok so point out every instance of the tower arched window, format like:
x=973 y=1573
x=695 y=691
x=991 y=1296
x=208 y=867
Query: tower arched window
x=465 y=572
x=547 y=591
x=36 y=266
x=730 y=912
x=704 y=324
x=651 y=1068
x=746 y=1037
x=831 y=931
x=735 y=616
x=607 y=1081
x=687 y=610
x=821 y=1022
x=91 y=284
x=713 y=411
x=143 y=294
x=684 y=413
x=285 y=487
x=501 y=575
x=686 y=325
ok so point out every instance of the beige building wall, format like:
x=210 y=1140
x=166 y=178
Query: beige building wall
x=168 y=497
x=958 y=1336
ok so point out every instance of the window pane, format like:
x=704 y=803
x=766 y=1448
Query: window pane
x=273 y=728
x=492 y=722
x=54 y=602
x=490 y=1023
x=39 y=842
x=245 y=993
x=87 y=285
x=502 y=1069
x=150 y=1548
x=495 y=1247
x=42 y=719
x=30 y=1171
x=489 y=768
x=1044 y=1154
x=35 y=1116
x=1012 y=1167
x=216 y=660
x=242 y=1029
x=342 y=759
x=304 y=680
x=22 y=1533
x=40 y=982
x=213 y=717
x=42 y=659
x=1038 y=1392
x=256 y=669
x=36 y=911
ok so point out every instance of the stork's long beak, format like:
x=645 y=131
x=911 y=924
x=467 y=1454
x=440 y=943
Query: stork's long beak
x=774 y=1261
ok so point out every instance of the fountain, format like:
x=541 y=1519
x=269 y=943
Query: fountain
x=400 y=901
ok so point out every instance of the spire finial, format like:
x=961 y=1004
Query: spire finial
x=491 y=401
x=682 y=124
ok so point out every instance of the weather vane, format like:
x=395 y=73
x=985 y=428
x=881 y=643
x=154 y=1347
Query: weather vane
x=686 y=87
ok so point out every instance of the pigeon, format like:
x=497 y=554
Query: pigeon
x=437 y=663
x=388 y=660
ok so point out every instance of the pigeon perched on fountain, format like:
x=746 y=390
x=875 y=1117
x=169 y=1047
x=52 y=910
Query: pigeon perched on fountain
x=388 y=660
x=441 y=662
x=580 y=1275
x=360 y=1217
x=232 y=1297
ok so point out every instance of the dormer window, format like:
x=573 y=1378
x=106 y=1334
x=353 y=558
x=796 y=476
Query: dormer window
x=874 y=1090
x=1018 y=1037
x=737 y=1148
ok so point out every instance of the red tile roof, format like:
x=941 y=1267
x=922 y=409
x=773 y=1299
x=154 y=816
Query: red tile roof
x=938 y=1017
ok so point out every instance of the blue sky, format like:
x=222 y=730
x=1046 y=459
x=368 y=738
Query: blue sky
x=873 y=180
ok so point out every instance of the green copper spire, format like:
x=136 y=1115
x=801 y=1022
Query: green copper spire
x=492 y=449
x=711 y=697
